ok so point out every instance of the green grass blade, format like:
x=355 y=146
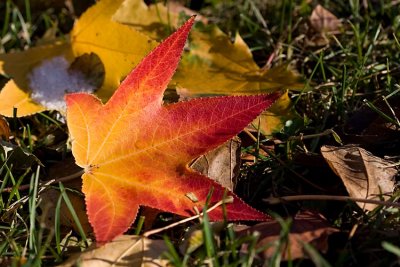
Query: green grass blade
x=391 y=248
x=57 y=225
x=73 y=213
x=33 y=189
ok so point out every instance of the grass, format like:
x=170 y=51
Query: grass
x=352 y=82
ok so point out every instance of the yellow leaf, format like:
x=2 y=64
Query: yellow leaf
x=155 y=20
x=273 y=119
x=119 y=47
x=12 y=96
x=148 y=19
x=216 y=66
x=17 y=66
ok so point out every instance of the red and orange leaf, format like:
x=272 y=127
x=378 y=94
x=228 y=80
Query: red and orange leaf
x=135 y=151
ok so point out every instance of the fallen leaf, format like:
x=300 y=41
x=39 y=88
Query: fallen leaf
x=274 y=119
x=372 y=131
x=33 y=90
x=155 y=20
x=219 y=66
x=66 y=221
x=306 y=227
x=216 y=66
x=18 y=66
x=194 y=237
x=135 y=151
x=17 y=157
x=5 y=131
x=119 y=47
x=221 y=164
x=125 y=250
x=90 y=67
x=323 y=23
x=49 y=198
x=363 y=174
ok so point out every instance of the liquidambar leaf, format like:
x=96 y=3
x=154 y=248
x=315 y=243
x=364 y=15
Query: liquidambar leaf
x=216 y=66
x=41 y=74
x=213 y=65
x=135 y=151
x=154 y=20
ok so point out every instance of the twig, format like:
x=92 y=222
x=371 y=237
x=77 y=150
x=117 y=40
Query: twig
x=47 y=183
x=229 y=199
x=277 y=200
x=283 y=163
x=311 y=136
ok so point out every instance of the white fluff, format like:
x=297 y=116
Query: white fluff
x=50 y=81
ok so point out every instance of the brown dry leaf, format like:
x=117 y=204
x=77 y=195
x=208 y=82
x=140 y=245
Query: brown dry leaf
x=48 y=206
x=125 y=250
x=323 y=23
x=5 y=131
x=363 y=174
x=221 y=164
x=307 y=227
x=322 y=20
x=65 y=168
x=372 y=131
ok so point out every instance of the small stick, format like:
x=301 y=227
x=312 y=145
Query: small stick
x=311 y=136
x=278 y=200
x=219 y=203
x=47 y=183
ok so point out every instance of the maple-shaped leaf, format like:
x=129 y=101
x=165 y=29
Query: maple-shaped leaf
x=135 y=151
